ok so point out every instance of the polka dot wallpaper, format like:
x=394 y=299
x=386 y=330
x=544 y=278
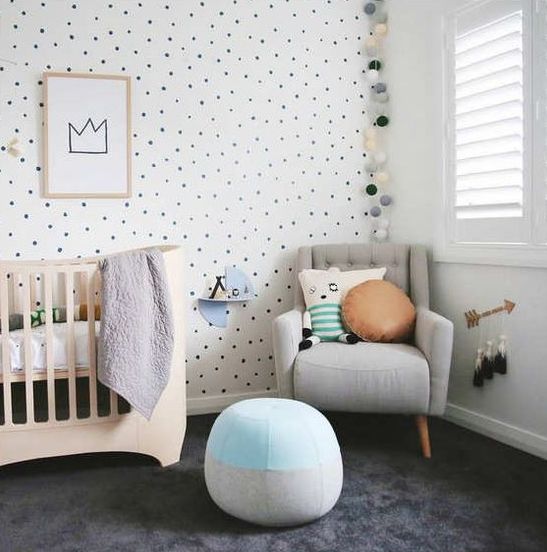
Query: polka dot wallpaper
x=247 y=142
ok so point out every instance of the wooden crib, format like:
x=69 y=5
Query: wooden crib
x=59 y=408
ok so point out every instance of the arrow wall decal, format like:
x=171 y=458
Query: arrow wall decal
x=473 y=317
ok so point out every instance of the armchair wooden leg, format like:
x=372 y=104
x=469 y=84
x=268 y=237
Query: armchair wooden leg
x=421 y=423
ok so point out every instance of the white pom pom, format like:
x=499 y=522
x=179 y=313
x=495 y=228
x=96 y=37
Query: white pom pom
x=370 y=144
x=373 y=76
x=383 y=223
x=381 y=234
x=382 y=177
x=380 y=30
x=382 y=97
x=370 y=165
x=380 y=157
x=371 y=46
x=371 y=42
x=371 y=132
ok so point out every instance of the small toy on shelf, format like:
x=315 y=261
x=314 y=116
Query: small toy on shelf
x=219 y=291
x=227 y=289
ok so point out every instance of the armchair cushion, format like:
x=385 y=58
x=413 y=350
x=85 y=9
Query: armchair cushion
x=366 y=377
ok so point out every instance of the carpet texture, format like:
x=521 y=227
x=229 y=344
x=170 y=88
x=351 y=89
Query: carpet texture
x=474 y=495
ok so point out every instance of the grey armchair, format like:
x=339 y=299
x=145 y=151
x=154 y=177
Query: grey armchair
x=369 y=377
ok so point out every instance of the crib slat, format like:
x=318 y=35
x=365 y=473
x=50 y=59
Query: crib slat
x=32 y=284
x=81 y=290
x=113 y=403
x=70 y=345
x=92 y=344
x=48 y=294
x=27 y=341
x=17 y=286
x=6 y=362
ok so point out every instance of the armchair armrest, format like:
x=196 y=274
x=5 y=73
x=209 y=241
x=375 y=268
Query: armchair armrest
x=434 y=337
x=287 y=334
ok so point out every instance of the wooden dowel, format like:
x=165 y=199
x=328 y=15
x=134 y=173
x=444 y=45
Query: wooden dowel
x=17 y=285
x=27 y=341
x=33 y=283
x=92 y=345
x=113 y=403
x=6 y=361
x=82 y=295
x=50 y=366
x=70 y=343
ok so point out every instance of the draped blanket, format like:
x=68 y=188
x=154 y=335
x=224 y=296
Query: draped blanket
x=137 y=335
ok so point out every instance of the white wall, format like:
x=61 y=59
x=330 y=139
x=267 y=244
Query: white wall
x=247 y=122
x=511 y=407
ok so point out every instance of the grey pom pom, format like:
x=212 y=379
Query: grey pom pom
x=380 y=87
x=375 y=211
x=385 y=200
x=370 y=8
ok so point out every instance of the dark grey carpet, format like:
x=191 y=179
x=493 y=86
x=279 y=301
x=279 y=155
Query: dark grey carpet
x=474 y=495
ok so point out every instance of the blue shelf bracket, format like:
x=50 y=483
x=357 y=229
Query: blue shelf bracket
x=238 y=289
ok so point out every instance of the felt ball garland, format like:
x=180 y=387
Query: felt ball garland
x=371 y=189
x=378 y=120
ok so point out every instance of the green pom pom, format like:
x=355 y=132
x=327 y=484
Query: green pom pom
x=371 y=189
x=382 y=121
x=375 y=64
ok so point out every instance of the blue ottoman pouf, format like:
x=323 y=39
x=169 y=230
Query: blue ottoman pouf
x=273 y=462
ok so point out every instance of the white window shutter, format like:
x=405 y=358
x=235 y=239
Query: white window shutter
x=540 y=107
x=487 y=94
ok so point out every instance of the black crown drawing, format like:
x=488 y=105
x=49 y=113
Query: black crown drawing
x=90 y=139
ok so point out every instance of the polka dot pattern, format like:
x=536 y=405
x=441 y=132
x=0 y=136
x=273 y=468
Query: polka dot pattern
x=247 y=142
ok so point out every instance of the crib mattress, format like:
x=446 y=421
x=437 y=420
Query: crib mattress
x=38 y=341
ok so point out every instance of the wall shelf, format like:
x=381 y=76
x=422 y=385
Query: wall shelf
x=215 y=310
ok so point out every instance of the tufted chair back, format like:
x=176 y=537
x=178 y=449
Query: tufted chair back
x=406 y=265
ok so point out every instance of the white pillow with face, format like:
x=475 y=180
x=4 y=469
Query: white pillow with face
x=330 y=286
x=352 y=278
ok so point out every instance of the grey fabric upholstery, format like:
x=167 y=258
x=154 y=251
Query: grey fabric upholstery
x=368 y=377
x=378 y=377
x=434 y=336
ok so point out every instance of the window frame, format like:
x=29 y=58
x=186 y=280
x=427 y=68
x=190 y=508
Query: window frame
x=531 y=250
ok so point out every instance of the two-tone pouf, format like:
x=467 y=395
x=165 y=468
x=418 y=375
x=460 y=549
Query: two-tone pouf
x=273 y=462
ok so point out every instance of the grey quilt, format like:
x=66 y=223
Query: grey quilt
x=136 y=337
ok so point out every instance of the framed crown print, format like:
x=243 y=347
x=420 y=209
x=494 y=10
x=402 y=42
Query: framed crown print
x=87 y=136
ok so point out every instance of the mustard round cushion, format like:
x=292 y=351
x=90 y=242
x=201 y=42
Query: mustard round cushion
x=377 y=310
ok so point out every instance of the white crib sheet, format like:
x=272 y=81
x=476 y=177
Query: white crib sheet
x=17 y=347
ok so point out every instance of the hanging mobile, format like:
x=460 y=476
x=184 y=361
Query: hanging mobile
x=488 y=362
x=478 y=376
x=501 y=356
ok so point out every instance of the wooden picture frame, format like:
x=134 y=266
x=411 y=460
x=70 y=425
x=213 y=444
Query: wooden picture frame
x=87 y=135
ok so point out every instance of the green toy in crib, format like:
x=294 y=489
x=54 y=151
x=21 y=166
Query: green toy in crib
x=38 y=316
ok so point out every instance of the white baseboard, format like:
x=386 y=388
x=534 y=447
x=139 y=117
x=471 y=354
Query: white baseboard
x=210 y=405
x=510 y=435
